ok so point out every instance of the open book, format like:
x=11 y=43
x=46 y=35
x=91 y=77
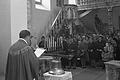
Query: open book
x=39 y=51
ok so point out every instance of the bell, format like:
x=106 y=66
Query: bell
x=56 y=64
x=56 y=68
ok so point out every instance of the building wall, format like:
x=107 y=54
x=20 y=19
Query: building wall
x=41 y=19
x=116 y=14
x=5 y=33
x=18 y=18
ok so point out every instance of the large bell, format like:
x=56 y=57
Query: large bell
x=56 y=68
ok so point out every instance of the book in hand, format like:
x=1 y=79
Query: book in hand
x=39 y=51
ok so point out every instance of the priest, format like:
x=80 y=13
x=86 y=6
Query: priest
x=22 y=63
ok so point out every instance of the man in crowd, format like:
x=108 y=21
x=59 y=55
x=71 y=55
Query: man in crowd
x=22 y=63
x=118 y=47
x=42 y=43
x=64 y=60
x=99 y=47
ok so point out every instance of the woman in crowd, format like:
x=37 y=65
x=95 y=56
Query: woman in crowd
x=114 y=44
x=91 y=52
x=107 y=54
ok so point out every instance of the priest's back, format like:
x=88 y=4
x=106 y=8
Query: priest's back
x=22 y=63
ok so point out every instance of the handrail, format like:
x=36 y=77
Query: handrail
x=86 y=2
x=53 y=44
x=56 y=18
x=93 y=4
x=84 y=13
x=51 y=24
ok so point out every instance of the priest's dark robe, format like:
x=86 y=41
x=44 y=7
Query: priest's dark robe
x=22 y=63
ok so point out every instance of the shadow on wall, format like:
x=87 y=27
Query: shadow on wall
x=89 y=20
x=3 y=59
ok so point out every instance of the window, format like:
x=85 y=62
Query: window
x=39 y=2
x=42 y=4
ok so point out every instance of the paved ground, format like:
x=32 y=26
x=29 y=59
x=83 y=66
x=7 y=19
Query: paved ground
x=2 y=77
x=88 y=74
x=83 y=74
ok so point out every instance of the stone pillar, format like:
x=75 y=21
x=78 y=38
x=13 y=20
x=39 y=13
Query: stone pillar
x=18 y=15
x=29 y=13
x=110 y=19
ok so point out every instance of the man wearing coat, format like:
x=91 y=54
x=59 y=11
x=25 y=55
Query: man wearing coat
x=22 y=63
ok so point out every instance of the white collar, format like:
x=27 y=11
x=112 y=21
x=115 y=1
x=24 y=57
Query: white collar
x=24 y=40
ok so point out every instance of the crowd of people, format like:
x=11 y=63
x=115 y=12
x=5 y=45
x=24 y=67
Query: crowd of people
x=91 y=49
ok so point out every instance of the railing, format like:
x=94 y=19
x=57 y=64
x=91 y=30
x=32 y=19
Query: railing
x=54 y=41
x=58 y=17
x=92 y=4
